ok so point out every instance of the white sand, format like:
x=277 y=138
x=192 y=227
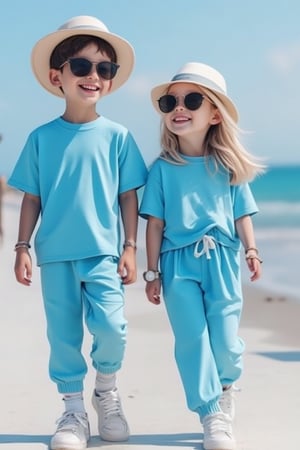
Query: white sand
x=267 y=407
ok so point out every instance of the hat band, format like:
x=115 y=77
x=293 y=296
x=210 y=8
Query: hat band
x=199 y=80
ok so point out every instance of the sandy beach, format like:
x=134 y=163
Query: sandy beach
x=268 y=402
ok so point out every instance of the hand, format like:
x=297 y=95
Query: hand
x=127 y=266
x=254 y=264
x=23 y=267
x=153 y=291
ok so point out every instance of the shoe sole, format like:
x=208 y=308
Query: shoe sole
x=68 y=448
x=228 y=446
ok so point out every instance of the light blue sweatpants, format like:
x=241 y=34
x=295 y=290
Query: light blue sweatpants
x=74 y=290
x=203 y=298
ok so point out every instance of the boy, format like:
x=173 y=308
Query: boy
x=78 y=173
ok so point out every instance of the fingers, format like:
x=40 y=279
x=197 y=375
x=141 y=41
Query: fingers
x=155 y=299
x=128 y=276
x=23 y=276
x=254 y=266
x=153 y=291
x=23 y=267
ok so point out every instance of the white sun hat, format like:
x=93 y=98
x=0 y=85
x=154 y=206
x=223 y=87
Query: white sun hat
x=202 y=75
x=80 y=25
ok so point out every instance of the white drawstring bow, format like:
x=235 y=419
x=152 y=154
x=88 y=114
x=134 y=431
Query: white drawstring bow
x=208 y=244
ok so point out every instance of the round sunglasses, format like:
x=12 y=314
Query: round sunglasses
x=192 y=101
x=81 y=67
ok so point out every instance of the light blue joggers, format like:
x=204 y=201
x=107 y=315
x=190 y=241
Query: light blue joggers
x=74 y=289
x=203 y=299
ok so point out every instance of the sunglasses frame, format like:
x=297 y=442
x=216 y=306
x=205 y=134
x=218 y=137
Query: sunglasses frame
x=175 y=98
x=89 y=66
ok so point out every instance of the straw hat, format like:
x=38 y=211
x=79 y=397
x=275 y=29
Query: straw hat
x=40 y=56
x=202 y=75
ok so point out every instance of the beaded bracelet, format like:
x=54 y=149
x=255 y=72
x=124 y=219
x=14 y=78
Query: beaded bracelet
x=22 y=244
x=253 y=249
x=254 y=257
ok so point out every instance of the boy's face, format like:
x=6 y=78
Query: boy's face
x=89 y=88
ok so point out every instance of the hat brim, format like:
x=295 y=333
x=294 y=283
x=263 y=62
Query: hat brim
x=162 y=89
x=40 y=56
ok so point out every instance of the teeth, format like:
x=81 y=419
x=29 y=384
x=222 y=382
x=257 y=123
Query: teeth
x=180 y=119
x=90 y=88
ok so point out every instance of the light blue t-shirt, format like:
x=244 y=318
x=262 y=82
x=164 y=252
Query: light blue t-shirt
x=194 y=199
x=78 y=171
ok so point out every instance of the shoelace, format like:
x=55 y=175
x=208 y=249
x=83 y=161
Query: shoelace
x=70 y=421
x=227 y=398
x=208 y=244
x=110 y=402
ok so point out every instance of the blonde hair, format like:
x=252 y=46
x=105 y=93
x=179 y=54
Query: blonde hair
x=221 y=142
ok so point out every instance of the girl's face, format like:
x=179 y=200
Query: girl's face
x=187 y=123
x=86 y=89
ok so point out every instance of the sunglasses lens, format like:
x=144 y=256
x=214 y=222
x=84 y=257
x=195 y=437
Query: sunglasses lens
x=107 y=70
x=193 y=101
x=80 y=67
x=167 y=103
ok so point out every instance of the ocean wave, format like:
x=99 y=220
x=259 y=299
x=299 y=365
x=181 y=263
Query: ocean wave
x=280 y=206
x=278 y=233
x=278 y=215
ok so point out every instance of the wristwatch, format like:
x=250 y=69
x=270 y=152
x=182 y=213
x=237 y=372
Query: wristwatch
x=151 y=275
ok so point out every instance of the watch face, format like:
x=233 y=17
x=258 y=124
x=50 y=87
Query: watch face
x=149 y=275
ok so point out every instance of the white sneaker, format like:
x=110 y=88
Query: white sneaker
x=226 y=401
x=218 y=432
x=112 y=424
x=72 y=433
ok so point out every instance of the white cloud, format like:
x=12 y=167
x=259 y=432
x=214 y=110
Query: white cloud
x=285 y=59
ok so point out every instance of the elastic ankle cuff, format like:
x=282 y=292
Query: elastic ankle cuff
x=105 y=369
x=208 y=408
x=70 y=387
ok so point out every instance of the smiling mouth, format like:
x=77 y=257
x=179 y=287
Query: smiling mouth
x=181 y=119
x=88 y=87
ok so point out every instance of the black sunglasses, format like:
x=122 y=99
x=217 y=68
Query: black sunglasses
x=81 y=67
x=191 y=101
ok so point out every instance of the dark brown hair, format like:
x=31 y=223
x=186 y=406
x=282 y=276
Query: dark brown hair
x=72 y=45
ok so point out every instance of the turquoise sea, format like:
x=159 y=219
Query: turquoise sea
x=277 y=227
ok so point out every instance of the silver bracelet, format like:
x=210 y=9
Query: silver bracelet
x=129 y=243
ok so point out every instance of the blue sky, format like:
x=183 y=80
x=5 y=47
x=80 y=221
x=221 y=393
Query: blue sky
x=255 y=45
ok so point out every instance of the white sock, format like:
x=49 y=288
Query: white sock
x=105 y=382
x=74 y=402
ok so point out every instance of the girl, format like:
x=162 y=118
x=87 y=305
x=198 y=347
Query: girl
x=198 y=206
